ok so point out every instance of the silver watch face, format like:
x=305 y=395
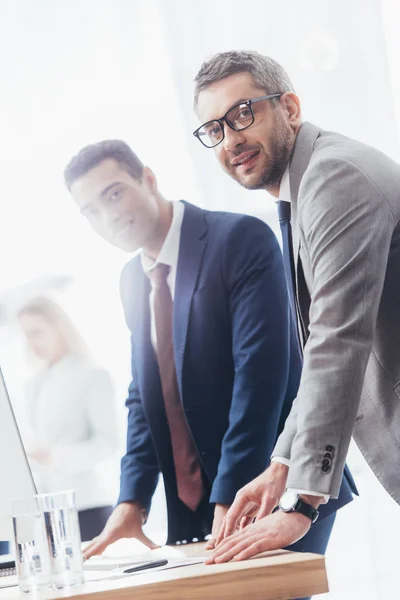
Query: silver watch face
x=288 y=501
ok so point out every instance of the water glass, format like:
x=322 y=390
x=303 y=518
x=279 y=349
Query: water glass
x=61 y=526
x=31 y=550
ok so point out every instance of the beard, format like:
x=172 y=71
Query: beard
x=277 y=156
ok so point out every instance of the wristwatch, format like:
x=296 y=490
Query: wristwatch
x=291 y=502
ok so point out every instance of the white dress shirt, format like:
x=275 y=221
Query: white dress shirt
x=284 y=194
x=284 y=188
x=169 y=255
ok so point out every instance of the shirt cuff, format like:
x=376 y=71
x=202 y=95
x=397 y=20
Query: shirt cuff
x=280 y=459
x=326 y=497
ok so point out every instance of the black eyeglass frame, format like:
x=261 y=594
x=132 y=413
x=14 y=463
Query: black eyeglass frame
x=223 y=119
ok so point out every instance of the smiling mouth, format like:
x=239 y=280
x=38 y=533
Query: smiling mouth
x=244 y=159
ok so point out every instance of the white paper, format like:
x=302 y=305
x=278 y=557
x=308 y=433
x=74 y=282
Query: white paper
x=8 y=581
x=173 y=563
x=108 y=561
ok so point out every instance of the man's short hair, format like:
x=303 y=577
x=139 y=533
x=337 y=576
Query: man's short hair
x=90 y=156
x=267 y=74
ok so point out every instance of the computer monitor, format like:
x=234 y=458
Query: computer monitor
x=16 y=479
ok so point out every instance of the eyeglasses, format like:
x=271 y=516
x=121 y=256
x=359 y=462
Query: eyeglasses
x=238 y=117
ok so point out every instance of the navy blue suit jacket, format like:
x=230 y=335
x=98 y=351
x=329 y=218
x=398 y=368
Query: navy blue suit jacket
x=238 y=366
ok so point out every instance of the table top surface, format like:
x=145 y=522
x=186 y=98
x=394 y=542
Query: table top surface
x=276 y=575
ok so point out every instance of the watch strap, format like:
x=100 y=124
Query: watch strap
x=306 y=509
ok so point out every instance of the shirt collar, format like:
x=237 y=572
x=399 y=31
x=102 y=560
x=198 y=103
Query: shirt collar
x=170 y=249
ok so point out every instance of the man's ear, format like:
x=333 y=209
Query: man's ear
x=150 y=179
x=290 y=104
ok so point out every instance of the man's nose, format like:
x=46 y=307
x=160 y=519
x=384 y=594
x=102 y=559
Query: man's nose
x=233 y=139
x=110 y=215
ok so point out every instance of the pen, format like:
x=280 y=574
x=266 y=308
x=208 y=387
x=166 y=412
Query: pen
x=148 y=565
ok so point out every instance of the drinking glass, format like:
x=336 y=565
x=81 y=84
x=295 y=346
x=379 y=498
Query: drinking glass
x=31 y=550
x=63 y=538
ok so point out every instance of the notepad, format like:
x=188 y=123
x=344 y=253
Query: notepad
x=107 y=562
x=119 y=573
x=7 y=581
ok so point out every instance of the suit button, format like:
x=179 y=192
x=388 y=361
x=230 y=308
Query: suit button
x=325 y=469
x=326 y=464
x=203 y=453
x=328 y=455
x=330 y=449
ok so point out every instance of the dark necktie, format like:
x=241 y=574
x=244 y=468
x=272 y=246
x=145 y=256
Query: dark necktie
x=288 y=261
x=187 y=467
x=287 y=247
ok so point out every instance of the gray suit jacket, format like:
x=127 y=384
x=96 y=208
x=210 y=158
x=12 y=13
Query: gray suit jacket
x=346 y=233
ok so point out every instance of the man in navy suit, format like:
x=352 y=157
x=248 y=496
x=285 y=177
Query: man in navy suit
x=236 y=370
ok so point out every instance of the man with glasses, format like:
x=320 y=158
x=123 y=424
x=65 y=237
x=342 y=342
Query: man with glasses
x=214 y=370
x=339 y=211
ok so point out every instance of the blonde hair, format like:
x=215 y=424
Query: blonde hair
x=52 y=312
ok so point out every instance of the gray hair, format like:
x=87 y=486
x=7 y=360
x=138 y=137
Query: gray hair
x=267 y=74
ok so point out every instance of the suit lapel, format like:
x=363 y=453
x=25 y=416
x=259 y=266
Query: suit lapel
x=300 y=160
x=143 y=329
x=191 y=250
x=143 y=352
x=294 y=189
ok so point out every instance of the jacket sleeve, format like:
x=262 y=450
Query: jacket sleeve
x=139 y=466
x=284 y=443
x=258 y=304
x=347 y=227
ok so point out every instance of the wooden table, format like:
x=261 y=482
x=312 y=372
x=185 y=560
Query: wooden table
x=277 y=575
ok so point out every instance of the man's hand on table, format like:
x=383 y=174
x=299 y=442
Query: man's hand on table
x=126 y=521
x=249 y=527
x=269 y=533
x=220 y=511
x=255 y=500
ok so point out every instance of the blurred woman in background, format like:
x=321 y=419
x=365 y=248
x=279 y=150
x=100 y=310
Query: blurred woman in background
x=69 y=424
